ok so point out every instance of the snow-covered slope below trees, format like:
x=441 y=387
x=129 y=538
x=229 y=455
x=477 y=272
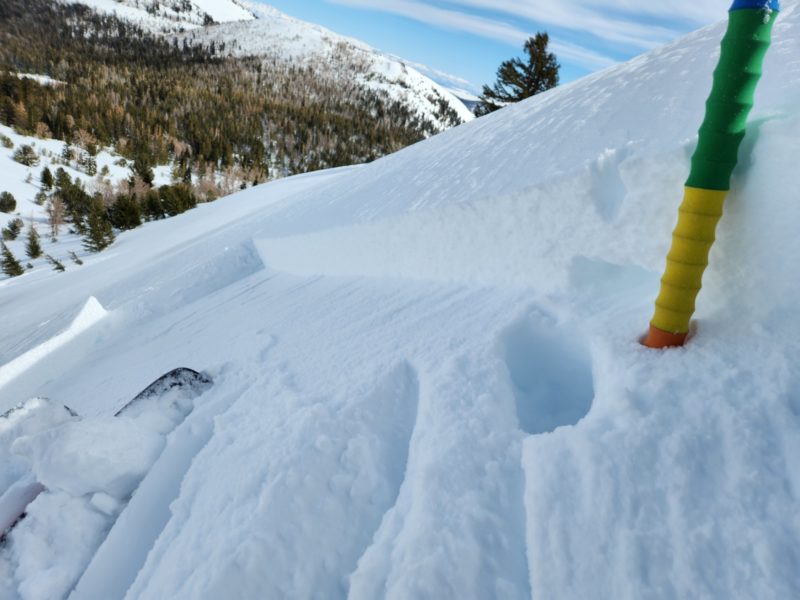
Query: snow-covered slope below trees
x=24 y=183
x=427 y=375
x=255 y=29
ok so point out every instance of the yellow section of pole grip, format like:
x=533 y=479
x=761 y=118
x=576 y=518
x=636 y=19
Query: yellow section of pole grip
x=687 y=260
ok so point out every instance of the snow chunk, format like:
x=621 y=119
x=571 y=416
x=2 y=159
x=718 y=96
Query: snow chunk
x=108 y=505
x=34 y=416
x=106 y=454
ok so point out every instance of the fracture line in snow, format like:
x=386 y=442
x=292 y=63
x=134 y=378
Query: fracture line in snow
x=91 y=313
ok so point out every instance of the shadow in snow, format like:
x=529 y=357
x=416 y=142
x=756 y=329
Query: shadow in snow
x=550 y=372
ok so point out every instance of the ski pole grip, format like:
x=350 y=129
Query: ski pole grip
x=734 y=84
x=735 y=79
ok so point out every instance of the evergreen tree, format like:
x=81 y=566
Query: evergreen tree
x=152 y=206
x=11 y=231
x=27 y=156
x=99 y=233
x=57 y=264
x=89 y=164
x=75 y=258
x=126 y=213
x=8 y=203
x=67 y=153
x=63 y=180
x=517 y=80
x=141 y=168
x=187 y=175
x=9 y=263
x=77 y=203
x=32 y=247
x=176 y=199
x=47 y=179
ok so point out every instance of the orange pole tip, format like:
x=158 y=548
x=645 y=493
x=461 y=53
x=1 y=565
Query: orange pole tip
x=658 y=338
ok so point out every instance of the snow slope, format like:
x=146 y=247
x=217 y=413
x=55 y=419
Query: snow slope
x=428 y=381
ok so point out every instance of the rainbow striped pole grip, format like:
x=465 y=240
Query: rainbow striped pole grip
x=735 y=79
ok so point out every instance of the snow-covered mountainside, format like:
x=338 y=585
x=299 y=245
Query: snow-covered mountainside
x=427 y=375
x=255 y=29
x=275 y=34
x=172 y=15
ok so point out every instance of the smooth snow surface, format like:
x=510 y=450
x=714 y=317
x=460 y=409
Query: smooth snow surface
x=427 y=375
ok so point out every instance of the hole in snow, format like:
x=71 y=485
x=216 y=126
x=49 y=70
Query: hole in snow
x=551 y=375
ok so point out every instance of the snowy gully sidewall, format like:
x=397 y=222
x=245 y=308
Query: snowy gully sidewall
x=735 y=79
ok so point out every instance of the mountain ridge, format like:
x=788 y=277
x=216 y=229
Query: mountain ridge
x=260 y=30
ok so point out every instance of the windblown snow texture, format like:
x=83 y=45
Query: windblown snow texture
x=428 y=381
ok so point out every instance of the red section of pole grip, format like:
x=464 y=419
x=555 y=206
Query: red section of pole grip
x=658 y=338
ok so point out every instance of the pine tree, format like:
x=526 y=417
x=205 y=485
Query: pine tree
x=99 y=232
x=10 y=264
x=8 y=203
x=32 y=247
x=47 y=179
x=27 y=156
x=126 y=213
x=63 y=180
x=75 y=258
x=187 y=175
x=67 y=153
x=517 y=80
x=11 y=231
x=57 y=264
x=141 y=168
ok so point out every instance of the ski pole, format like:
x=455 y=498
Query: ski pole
x=735 y=79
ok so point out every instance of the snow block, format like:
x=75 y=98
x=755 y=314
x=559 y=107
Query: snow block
x=108 y=455
x=29 y=418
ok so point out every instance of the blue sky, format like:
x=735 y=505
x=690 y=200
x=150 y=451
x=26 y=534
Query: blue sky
x=466 y=40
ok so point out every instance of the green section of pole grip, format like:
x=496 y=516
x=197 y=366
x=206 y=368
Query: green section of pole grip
x=735 y=79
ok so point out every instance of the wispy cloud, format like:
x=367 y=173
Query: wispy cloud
x=436 y=74
x=609 y=23
x=459 y=20
x=427 y=12
x=603 y=24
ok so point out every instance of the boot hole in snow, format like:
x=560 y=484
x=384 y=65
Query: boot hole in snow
x=551 y=375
